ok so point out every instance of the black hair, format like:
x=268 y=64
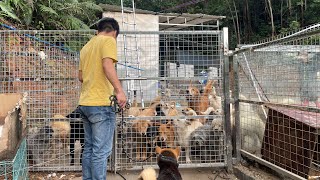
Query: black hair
x=108 y=24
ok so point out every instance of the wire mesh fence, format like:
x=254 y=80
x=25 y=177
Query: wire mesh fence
x=175 y=90
x=45 y=65
x=178 y=75
x=284 y=75
x=16 y=168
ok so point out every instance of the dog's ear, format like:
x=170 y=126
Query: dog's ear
x=150 y=123
x=177 y=151
x=158 y=150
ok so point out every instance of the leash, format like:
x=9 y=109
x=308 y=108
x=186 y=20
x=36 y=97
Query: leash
x=115 y=106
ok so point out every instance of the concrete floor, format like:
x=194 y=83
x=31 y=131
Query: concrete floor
x=250 y=172
x=187 y=174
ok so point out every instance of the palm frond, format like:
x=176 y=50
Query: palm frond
x=91 y=6
x=46 y=9
x=6 y=10
x=74 y=23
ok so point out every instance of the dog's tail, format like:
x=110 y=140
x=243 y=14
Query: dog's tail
x=148 y=174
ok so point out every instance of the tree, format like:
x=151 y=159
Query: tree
x=65 y=14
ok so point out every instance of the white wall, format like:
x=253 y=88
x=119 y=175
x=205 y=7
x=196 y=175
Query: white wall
x=148 y=53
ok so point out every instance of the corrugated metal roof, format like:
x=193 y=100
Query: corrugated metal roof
x=173 y=21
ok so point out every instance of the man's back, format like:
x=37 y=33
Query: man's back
x=96 y=89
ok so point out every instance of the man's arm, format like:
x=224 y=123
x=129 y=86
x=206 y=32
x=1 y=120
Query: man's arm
x=80 y=76
x=111 y=74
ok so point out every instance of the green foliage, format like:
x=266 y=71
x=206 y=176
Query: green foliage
x=294 y=25
x=7 y=11
x=51 y=14
x=66 y=14
x=253 y=16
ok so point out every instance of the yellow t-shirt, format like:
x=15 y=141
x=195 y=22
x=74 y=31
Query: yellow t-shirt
x=96 y=88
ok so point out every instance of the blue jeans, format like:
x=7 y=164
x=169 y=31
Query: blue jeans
x=99 y=125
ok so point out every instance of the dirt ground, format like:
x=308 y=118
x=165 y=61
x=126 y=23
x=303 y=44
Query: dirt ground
x=187 y=174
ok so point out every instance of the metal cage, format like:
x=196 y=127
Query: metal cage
x=277 y=102
x=45 y=64
x=170 y=64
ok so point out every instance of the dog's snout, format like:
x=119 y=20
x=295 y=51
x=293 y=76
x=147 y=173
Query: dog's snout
x=144 y=133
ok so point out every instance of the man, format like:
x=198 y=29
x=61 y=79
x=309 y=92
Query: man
x=99 y=81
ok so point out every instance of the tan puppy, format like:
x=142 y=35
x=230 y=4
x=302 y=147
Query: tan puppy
x=170 y=109
x=167 y=134
x=139 y=134
x=193 y=96
x=148 y=174
x=134 y=110
x=199 y=102
x=204 y=98
x=190 y=112
x=61 y=129
x=215 y=102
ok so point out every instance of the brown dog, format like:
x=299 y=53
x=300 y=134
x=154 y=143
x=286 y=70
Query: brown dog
x=134 y=110
x=167 y=160
x=167 y=134
x=199 y=102
x=139 y=135
x=170 y=109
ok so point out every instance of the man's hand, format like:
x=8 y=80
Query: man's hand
x=121 y=97
x=111 y=75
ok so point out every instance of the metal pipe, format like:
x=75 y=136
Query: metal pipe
x=254 y=84
x=276 y=168
x=226 y=91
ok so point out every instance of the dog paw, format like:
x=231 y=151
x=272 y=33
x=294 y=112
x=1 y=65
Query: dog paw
x=188 y=161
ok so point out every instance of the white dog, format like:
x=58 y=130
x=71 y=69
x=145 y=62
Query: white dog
x=184 y=129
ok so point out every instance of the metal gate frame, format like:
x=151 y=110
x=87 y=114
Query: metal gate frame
x=224 y=51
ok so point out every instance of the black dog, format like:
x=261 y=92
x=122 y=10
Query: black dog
x=76 y=133
x=38 y=144
x=168 y=163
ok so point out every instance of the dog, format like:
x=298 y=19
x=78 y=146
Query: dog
x=76 y=133
x=167 y=160
x=39 y=144
x=199 y=101
x=134 y=110
x=140 y=128
x=167 y=134
x=193 y=96
x=204 y=98
x=61 y=129
x=215 y=102
x=139 y=135
x=207 y=141
x=184 y=128
x=159 y=110
x=190 y=112
x=170 y=109
x=150 y=111
x=148 y=174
